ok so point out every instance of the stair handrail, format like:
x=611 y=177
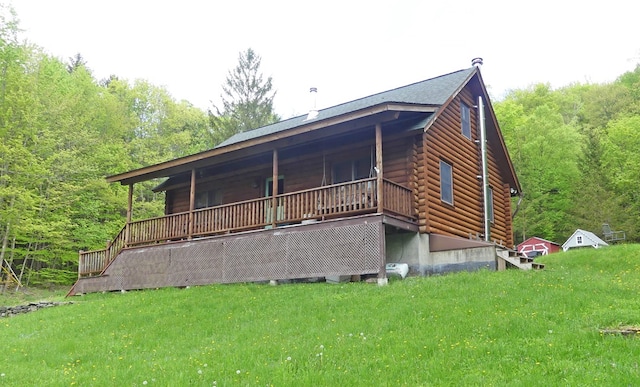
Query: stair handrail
x=109 y=253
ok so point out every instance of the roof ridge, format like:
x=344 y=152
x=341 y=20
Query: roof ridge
x=369 y=96
x=392 y=90
x=436 y=93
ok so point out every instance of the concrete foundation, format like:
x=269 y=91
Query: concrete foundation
x=460 y=255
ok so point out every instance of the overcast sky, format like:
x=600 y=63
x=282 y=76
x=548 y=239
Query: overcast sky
x=347 y=49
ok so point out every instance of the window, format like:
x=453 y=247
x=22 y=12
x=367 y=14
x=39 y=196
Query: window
x=491 y=217
x=579 y=239
x=466 y=120
x=351 y=170
x=206 y=199
x=268 y=186
x=446 y=182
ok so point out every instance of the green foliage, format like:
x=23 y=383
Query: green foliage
x=545 y=148
x=534 y=328
x=247 y=100
x=61 y=133
x=573 y=150
x=621 y=160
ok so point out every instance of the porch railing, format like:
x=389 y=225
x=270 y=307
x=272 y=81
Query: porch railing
x=94 y=262
x=174 y=226
x=331 y=201
x=397 y=199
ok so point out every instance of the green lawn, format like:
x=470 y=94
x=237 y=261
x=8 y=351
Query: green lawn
x=533 y=328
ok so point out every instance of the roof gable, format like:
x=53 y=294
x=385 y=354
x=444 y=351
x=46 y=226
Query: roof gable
x=591 y=240
x=537 y=240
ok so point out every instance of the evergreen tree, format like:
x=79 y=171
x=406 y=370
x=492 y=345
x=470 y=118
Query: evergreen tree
x=75 y=62
x=247 y=99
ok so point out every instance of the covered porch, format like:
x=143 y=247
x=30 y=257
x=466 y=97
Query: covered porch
x=306 y=207
x=318 y=177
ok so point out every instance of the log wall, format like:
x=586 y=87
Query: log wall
x=444 y=141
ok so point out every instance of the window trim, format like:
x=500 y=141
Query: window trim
x=268 y=185
x=212 y=198
x=449 y=183
x=492 y=217
x=465 y=122
x=353 y=166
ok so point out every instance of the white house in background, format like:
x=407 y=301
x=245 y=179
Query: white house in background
x=581 y=238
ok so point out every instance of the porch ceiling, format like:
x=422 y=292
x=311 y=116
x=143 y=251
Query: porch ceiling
x=414 y=117
x=405 y=123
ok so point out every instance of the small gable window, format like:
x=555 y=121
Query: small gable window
x=579 y=239
x=446 y=182
x=466 y=120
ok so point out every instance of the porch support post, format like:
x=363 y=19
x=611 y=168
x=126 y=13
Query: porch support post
x=379 y=167
x=192 y=201
x=127 y=231
x=382 y=272
x=274 y=190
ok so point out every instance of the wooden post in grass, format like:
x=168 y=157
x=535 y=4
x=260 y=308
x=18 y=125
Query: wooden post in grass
x=382 y=273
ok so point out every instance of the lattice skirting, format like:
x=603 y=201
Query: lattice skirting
x=315 y=250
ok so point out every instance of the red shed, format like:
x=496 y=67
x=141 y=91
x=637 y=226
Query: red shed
x=535 y=246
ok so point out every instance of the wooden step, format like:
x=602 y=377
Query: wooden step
x=525 y=259
x=519 y=261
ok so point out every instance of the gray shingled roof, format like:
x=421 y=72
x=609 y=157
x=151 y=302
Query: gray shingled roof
x=434 y=91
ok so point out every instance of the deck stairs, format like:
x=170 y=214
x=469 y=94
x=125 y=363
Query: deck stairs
x=513 y=259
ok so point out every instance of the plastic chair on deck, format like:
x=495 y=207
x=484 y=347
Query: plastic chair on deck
x=612 y=236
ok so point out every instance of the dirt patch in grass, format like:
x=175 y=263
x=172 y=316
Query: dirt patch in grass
x=25 y=295
x=628 y=330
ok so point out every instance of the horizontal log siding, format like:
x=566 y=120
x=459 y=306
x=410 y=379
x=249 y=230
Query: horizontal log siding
x=506 y=204
x=421 y=181
x=396 y=156
x=305 y=172
x=244 y=186
x=501 y=229
x=414 y=172
x=444 y=141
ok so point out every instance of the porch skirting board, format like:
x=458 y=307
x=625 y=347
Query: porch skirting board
x=340 y=247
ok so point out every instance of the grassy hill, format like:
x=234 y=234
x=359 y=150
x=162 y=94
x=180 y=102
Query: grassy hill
x=482 y=328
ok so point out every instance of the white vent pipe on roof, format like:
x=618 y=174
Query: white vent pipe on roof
x=313 y=111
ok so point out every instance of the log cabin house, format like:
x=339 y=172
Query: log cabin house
x=418 y=175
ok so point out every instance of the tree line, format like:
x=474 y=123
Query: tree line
x=62 y=131
x=576 y=153
x=575 y=150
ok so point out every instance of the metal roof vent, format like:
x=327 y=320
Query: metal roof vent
x=476 y=62
x=313 y=111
